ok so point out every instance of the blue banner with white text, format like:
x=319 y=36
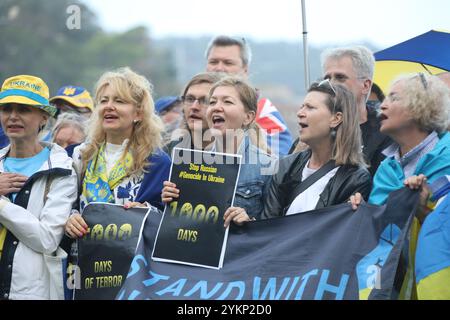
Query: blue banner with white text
x=331 y=253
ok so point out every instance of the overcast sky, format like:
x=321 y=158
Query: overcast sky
x=382 y=22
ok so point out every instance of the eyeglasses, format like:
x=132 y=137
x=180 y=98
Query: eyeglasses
x=423 y=80
x=190 y=100
x=341 y=78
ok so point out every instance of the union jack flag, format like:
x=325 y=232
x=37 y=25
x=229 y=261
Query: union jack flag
x=269 y=118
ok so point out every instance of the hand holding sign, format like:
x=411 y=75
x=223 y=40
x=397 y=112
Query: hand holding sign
x=237 y=215
x=169 y=192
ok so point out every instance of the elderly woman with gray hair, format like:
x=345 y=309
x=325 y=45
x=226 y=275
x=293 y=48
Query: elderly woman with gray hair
x=69 y=129
x=415 y=115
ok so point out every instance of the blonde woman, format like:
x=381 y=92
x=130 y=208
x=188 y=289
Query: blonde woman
x=231 y=118
x=121 y=162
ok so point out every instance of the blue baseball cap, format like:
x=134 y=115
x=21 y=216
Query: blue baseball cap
x=77 y=96
x=164 y=103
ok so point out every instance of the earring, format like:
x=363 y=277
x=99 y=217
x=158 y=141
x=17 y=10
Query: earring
x=333 y=133
x=135 y=121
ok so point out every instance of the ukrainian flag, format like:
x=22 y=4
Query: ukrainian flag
x=433 y=252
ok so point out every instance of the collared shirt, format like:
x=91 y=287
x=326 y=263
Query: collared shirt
x=409 y=160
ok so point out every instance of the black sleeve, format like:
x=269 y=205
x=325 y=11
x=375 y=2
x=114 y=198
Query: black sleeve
x=360 y=181
x=272 y=202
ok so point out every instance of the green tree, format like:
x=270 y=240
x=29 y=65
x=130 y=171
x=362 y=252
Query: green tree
x=36 y=40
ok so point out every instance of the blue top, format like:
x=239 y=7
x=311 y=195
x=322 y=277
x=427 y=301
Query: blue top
x=152 y=183
x=390 y=176
x=410 y=160
x=257 y=168
x=144 y=187
x=433 y=245
x=26 y=166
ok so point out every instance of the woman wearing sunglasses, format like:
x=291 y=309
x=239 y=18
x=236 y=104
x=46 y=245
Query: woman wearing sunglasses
x=332 y=168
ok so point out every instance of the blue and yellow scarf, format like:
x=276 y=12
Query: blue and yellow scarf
x=97 y=185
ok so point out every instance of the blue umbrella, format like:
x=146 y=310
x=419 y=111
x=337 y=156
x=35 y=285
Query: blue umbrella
x=429 y=52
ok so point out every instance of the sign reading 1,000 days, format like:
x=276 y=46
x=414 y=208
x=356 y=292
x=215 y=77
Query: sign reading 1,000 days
x=191 y=230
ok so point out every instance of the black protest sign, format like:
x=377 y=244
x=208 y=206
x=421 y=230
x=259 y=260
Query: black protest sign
x=191 y=230
x=105 y=253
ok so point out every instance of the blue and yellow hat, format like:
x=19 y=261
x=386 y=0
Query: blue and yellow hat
x=28 y=90
x=76 y=96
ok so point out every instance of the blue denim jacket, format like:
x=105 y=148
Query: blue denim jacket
x=254 y=177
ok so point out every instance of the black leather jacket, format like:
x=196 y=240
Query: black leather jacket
x=348 y=180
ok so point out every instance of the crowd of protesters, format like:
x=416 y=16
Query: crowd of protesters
x=62 y=152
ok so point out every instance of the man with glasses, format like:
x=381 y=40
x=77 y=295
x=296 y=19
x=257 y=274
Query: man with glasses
x=191 y=134
x=232 y=55
x=353 y=68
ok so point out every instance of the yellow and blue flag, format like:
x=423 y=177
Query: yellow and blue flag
x=433 y=248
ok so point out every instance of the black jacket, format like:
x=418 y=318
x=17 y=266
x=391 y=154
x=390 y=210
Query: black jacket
x=348 y=180
x=374 y=142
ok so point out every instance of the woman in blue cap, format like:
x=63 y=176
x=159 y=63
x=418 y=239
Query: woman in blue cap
x=37 y=186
